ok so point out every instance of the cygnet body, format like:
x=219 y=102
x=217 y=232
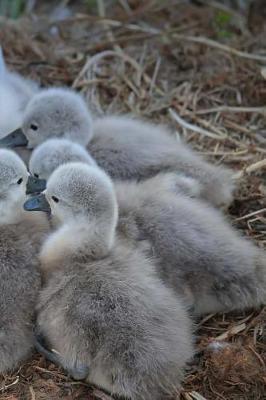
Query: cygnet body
x=48 y=156
x=124 y=147
x=200 y=255
x=20 y=237
x=102 y=308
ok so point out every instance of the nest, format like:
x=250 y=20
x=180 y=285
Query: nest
x=200 y=70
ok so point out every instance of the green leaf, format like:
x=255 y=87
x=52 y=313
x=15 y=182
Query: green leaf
x=12 y=8
x=222 y=18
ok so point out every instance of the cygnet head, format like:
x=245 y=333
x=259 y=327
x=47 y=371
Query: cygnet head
x=55 y=152
x=82 y=201
x=77 y=191
x=52 y=113
x=80 y=195
x=13 y=179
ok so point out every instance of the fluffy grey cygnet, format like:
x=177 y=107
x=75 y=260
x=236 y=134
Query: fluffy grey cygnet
x=20 y=281
x=49 y=155
x=103 y=309
x=124 y=147
x=200 y=254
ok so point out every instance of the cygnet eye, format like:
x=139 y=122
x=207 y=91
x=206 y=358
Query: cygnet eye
x=36 y=175
x=34 y=127
x=20 y=181
x=55 y=199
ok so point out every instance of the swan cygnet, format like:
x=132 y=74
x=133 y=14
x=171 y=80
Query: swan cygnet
x=20 y=280
x=49 y=155
x=200 y=254
x=15 y=93
x=102 y=308
x=125 y=148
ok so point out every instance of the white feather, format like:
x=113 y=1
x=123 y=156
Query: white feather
x=10 y=109
x=15 y=93
x=2 y=63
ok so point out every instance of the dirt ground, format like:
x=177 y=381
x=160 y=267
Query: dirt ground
x=200 y=69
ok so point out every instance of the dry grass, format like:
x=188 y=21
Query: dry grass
x=201 y=72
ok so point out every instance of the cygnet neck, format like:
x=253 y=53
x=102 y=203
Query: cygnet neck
x=11 y=216
x=79 y=239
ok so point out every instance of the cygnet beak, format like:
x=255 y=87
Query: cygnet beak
x=42 y=349
x=35 y=185
x=14 y=139
x=37 y=203
x=78 y=372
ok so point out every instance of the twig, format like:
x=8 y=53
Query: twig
x=259 y=110
x=53 y=373
x=32 y=393
x=125 y=6
x=101 y=395
x=155 y=73
x=220 y=46
x=197 y=396
x=193 y=127
x=236 y=153
x=231 y=332
x=237 y=127
x=251 y=168
x=262 y=210
x=256 y=166
x=208 y=125
x=3 y=388
x=205 y=319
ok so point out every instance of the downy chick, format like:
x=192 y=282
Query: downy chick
x=125 y=148
x=200 y=255
x=15 y=93
x=49 y=155
x=20 y=281
x=103 y=309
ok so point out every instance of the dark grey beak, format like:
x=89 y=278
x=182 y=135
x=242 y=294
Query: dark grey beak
x=37 y=203
x=40 y=347
x=35 y=185
x=78 y=372
x=14 y=139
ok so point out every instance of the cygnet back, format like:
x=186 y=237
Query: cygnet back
x=200 y=254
